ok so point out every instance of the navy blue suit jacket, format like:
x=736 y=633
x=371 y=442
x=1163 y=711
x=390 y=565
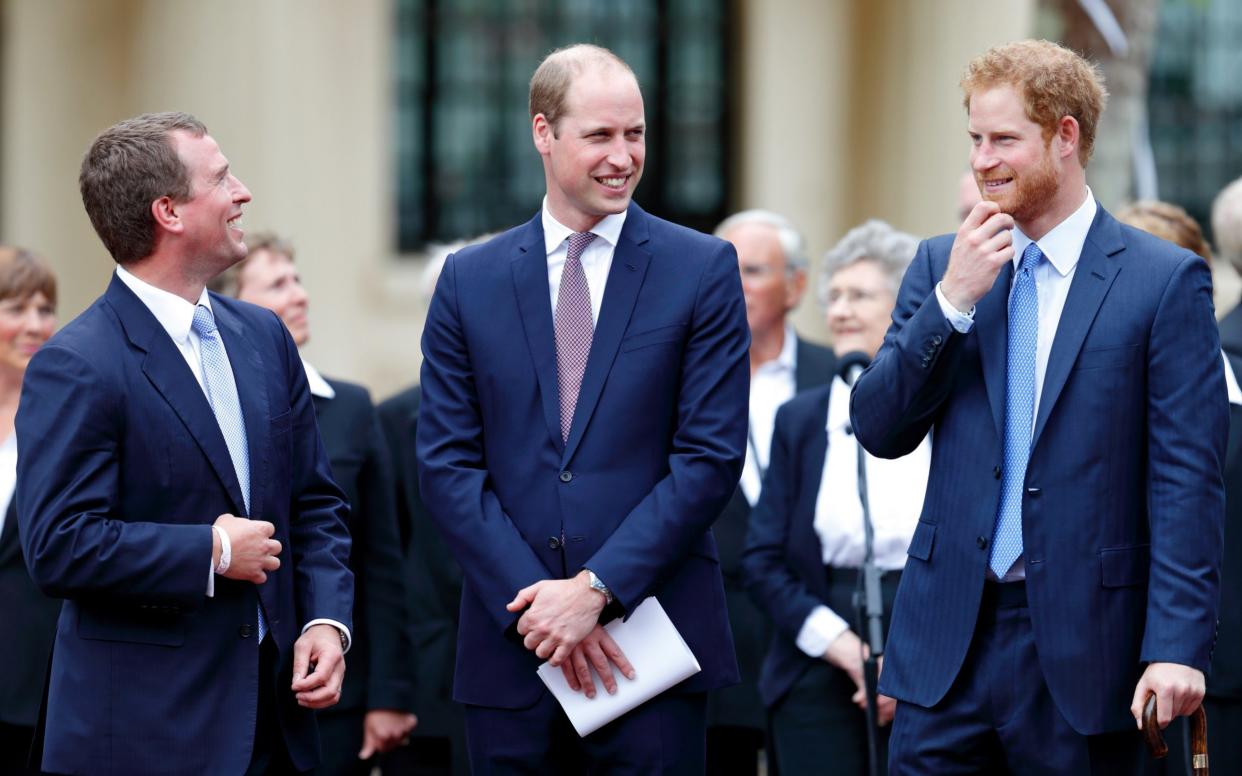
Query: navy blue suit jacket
x=123 y=468
x=1123 y=508
x=784 y=559
x=654 y=453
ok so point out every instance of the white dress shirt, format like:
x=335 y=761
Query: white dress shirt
x=772 y=384
x=8 y=475
x=318 y=386
x=176 y=316
x=895 y=490
x=596 y=258
x=1062 y=247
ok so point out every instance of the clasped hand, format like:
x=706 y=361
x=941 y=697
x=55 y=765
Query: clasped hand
x=561 y=625
x=1179 y=690
x=252 y=548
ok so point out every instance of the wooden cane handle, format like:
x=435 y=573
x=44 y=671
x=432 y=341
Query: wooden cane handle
x=1151 y=729
x=1198 y=736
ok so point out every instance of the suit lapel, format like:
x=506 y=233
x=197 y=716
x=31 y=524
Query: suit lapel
x=814 y=367
x=167 y=371
x=249 y=374
x=992 y=326
x=8 y=537
x=1093 y=277
x=530 y=280
x=625 y=278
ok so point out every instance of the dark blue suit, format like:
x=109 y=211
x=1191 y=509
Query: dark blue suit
x=654 y=453
x=1123 y=504
x=123 y=468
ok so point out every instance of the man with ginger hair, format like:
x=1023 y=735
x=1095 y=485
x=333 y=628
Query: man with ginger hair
x=583 y=422
x=1066 y=563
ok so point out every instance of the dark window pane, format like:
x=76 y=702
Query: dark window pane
x=462 y=148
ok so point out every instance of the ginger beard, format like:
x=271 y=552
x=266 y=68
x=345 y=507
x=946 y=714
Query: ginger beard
x=1030 y=193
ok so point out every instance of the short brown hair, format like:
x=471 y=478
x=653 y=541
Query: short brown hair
x=1053 y=81
x=550 y=84
x=129 y=166
x=1168 y=222
x=228 y=282
x=24 y=274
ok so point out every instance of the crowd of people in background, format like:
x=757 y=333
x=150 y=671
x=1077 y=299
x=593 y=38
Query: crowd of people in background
x=791 y=537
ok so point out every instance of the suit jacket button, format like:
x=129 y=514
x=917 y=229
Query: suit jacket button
x=554 y=543
x=981 y=542
x=567 y=476
x=244 y=631
x=937 y=339
x=996 y=472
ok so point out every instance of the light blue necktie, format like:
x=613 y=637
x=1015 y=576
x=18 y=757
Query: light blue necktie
x=1019 y=411
x=222 y=395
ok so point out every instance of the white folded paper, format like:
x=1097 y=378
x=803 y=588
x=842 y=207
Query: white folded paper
x=654 y=648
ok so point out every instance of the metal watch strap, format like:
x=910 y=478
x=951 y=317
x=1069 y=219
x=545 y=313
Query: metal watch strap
x=597 y=584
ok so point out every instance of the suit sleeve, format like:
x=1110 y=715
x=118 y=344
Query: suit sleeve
x=69 y=427
x=1188 y=421
x=389 y=685
x=324 y=585
x=452 y=465
x=771 y=582
x=707 y=449
x=897 y=398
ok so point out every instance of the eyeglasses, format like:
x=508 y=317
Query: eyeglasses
x=851 y=295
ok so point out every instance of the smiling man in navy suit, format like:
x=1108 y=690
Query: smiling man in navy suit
x=173 y=489
x=1067 y=559
x=583 y=422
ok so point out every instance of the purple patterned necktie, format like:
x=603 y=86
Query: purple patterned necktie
x=574 y=328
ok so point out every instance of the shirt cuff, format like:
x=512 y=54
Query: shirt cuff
x=960 y=321
x=821 y=627
x=211 y=579
x=349 y=639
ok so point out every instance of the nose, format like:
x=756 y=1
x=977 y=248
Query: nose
x=241 y=194
x=619 y=154
x=982 y=157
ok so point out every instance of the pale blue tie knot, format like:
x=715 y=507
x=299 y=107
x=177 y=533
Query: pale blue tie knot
x=1019 y=410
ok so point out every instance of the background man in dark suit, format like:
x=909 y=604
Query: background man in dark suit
x=771 y=256
x=192 y=638
x=1067 y=559
x=1227 y=232
x=374 y=712
x=583 y=423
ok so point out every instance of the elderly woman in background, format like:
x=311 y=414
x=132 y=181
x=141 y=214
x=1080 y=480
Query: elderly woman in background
x=805 y=543
x=27 y=318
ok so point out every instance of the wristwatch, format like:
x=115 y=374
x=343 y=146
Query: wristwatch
x=597 y=584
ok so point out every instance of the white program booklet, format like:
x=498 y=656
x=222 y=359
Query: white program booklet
x=654 y=648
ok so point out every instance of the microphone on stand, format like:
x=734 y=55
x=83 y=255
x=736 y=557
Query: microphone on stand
x=851 y=365
x=869 y=600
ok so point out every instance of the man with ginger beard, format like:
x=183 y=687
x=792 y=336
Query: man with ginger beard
x=1067 y=560
x=582 y=424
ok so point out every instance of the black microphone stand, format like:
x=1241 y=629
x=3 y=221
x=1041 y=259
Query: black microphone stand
x=869 y=616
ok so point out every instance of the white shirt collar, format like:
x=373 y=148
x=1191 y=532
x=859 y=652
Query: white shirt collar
x=318 y=386
x=1231 y=382
x=1062 y=246
x=555 y=233
x=174 y=313
x=838 y=406
x=787 y=359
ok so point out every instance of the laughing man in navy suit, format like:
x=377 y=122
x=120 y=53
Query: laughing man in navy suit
x=173 y=489
x=583 y=422
x=1067 y=559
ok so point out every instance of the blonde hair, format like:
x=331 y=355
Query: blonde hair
x=549 y=86
x=24 y=274
x=1168 y=222
x=1052 y=81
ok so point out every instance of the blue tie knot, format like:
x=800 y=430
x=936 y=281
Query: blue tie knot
x=204 y=323
x=1031 y=258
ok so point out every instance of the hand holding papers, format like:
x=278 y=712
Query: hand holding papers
x=660 y=658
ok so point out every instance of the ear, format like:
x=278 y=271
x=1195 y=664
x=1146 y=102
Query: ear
x=164 y=211
x=542 y=133
x=795 y=287
x=1067 y=136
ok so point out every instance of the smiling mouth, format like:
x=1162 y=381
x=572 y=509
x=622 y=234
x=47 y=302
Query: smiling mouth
x=995 y=183
x=616 y=182
x=235 y=222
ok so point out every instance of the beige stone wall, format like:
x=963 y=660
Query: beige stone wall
x=846 y=109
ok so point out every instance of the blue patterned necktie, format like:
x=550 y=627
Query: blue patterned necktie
x=1019 y=411
x=574 y=328
x=222 y=395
